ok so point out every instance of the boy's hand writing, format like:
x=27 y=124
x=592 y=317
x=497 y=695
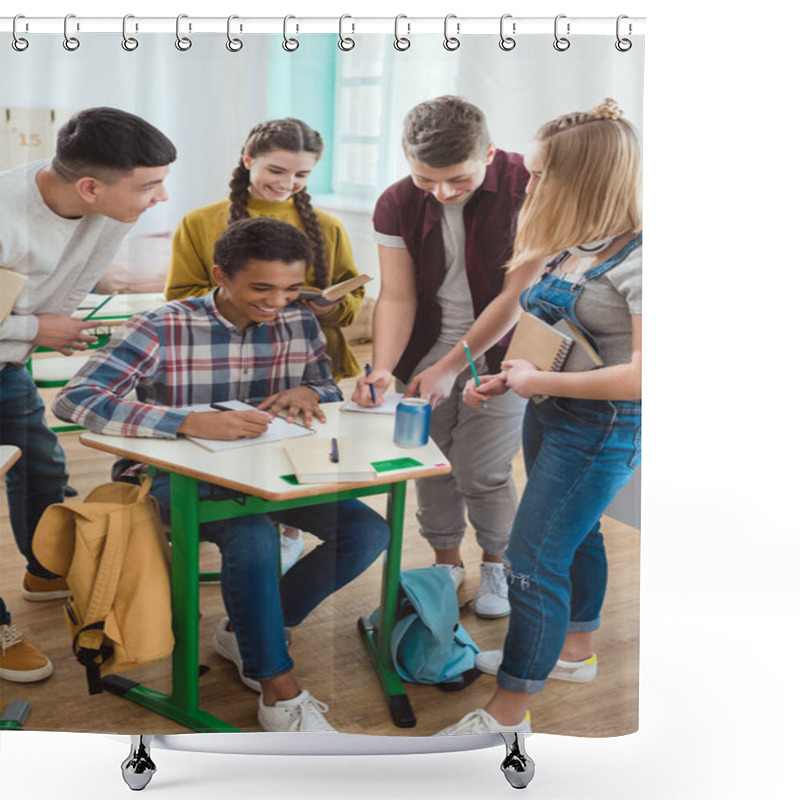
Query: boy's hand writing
x=381 y=379
x=227 y=425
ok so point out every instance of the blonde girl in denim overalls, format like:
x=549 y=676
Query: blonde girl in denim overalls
x=581 y=434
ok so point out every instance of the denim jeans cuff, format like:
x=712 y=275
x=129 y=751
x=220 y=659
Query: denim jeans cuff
x=583 y=627
x=512 y=684
x=273 y=673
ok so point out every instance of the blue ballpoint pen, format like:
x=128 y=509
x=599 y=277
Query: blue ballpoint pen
x=368 y=370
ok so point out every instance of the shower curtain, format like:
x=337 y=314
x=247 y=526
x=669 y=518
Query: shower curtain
x=206 y=98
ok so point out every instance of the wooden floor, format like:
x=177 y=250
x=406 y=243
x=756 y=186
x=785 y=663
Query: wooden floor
x=330 y=659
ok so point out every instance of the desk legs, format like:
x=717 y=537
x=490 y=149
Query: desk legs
x=379 y=642
x=185 y=590
x=182 y=706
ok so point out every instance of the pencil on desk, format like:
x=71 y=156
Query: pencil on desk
x=474 y=371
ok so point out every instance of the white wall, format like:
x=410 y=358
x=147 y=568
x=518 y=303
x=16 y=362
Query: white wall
x=205 y=99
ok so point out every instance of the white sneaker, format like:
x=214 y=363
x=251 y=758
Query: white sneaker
x=491 y=601
x=301 y=713
x=224 y=642
x=456 y=573
x=573 y=671
x=479 y=721
x=291 y=550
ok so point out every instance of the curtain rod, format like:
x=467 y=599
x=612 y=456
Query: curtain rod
x=348 y=25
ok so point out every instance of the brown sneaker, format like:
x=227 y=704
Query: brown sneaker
x=38 y=589
x=21 y=661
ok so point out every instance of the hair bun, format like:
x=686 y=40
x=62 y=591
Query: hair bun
x=608 y=109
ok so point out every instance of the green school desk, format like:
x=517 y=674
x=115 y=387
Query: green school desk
x=256 y=476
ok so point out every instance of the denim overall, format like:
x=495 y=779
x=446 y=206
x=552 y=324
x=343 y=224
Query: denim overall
x=578 y=455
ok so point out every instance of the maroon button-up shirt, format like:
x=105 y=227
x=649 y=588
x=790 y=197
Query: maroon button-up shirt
x=490 y=218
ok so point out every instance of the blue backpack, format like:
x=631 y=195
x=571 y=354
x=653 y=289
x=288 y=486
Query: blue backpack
x=429 y=644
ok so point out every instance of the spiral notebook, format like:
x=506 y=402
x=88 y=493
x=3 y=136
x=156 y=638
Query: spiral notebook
x=552 y=348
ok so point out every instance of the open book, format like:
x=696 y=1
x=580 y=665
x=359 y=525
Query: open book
x=11 y=286
x=312 y=460
x=552 y=348
x=278 y=429
x=333 y=293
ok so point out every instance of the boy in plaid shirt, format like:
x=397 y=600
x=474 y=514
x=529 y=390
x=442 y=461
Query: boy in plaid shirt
x=248 y=340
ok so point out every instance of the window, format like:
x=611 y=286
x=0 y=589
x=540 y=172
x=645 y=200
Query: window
x=375 y=88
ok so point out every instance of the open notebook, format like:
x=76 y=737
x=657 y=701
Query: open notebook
x=278 y=429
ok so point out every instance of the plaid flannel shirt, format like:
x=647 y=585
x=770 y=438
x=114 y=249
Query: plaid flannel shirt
x=186 y=353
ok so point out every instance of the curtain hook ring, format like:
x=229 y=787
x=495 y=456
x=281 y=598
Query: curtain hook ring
x=401 y=42
x=183 y=43
x=623 y=45
x=128 y=42
x=234 y=45
x=561 y=43
x=289 y=44
x=451 y=42
x=507 y=42
x=18 y=42
x=346 y=42
x=70 y=42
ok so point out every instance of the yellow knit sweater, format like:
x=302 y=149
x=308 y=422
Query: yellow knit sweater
x=193 y=256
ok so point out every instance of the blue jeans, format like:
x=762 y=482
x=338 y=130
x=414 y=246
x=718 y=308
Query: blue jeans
x=5 y=616
x=578 y=455
x=39 y=477
x=258 y=603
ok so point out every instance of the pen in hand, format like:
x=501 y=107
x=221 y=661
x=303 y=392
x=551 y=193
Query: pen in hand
x=334 y=456
x=368 y=370
x=474 y=371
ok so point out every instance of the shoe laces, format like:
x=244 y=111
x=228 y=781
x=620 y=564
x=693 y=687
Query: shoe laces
x=477 y=721
x=9 y=636
x=310 y=710
x=493 y=581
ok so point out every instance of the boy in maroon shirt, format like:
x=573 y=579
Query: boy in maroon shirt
x=444 y=234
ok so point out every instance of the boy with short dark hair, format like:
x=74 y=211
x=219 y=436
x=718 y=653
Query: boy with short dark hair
x=61 y=222
x=444 y=236
x=248 y=340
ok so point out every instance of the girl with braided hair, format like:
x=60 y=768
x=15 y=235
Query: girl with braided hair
x=270 y=181
x=581 y=432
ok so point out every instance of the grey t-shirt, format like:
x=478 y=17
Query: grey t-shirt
x=606 y=304
x=454 y=295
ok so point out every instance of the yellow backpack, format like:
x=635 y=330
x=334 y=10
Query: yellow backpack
x=113 y=552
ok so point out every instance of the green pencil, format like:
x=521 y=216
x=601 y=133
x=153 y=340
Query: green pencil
x=98 y=307
x=472 y=367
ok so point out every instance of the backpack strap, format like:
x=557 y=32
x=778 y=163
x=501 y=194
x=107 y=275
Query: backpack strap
x=467 y=677
x=92 y=658
x=89 y=644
